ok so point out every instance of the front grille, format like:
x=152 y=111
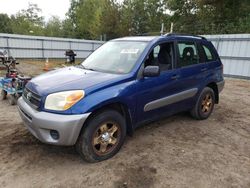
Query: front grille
x=31 y=98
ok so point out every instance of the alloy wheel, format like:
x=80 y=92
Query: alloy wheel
x=106 y=138
x=206 y=104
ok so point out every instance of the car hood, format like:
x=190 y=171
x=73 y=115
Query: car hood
x=70 y=78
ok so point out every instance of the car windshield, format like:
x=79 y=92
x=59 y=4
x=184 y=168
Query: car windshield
x=115 y=57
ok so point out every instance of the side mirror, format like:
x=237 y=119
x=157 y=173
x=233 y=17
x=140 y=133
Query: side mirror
x=151 y=71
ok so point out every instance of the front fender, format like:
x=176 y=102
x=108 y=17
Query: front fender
x=123 y=93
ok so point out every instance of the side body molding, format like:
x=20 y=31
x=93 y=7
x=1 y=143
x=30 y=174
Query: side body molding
x=170 y=99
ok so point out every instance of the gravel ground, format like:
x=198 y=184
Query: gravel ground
x=175 y=152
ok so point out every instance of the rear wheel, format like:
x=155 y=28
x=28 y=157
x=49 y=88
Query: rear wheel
x=204 y=105
x=3 y=95
x=102 y=136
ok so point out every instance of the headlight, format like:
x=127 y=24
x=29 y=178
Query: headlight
x=63 y=100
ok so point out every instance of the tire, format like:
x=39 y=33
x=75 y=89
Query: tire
x=3 y=95
x=12 y=99
x=204 y=105
x=102 y=136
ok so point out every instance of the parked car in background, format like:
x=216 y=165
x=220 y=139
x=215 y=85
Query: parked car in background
x=124 y=84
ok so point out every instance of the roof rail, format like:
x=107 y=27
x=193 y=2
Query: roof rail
x=182 y=34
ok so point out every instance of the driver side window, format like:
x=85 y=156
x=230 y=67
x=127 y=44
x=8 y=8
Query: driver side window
x=162 y=56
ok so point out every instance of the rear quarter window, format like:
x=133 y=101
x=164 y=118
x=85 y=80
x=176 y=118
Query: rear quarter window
x=208 y=53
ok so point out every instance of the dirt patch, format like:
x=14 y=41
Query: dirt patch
x=137 y=177
x=175 y=152
x=34 y=67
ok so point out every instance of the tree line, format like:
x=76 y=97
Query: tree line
x=107 y=19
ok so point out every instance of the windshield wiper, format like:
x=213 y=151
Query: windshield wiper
x=90 y=69
x=80 y=66
x=83 y=67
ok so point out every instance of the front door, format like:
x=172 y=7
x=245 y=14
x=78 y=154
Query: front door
x=155 y=95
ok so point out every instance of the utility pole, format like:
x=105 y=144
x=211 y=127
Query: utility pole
x=171 y=27
x=162 y=29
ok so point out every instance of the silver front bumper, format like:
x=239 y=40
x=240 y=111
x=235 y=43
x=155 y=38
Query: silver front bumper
x=40 y=124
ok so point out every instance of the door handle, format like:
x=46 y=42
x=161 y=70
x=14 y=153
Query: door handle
x=203 y=69
x=174 y=77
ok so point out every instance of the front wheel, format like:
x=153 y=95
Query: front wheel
x=102 y=137
x=204 y=105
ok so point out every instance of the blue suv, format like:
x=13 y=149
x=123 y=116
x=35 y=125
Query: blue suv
x=125 y=83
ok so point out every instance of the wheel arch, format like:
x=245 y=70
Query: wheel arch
x=117 y=106
x=214 y=87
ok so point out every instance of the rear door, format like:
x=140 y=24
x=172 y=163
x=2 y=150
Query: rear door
x=192 y=67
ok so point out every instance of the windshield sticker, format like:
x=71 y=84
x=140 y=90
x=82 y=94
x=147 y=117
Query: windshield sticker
x=130 y=51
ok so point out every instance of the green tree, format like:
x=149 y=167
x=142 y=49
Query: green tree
x=5 y=24
x=143 y=17
x=33 y=14
x=230 y=16
x=85 y=15
x=93 y=18
x=110 y=24
x=68 y=29
x=53 y=28
x=210 y=16
x=184 y=15
x=28 y=21
x=70 y=24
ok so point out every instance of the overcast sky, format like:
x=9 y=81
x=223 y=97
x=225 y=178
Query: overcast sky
x=49 y=7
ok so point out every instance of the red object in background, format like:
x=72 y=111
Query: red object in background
x=2 y=68
x=12 y=75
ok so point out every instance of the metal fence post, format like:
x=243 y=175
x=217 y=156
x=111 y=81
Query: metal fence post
x=218 y=43
x=93 y=47
x=8 y=46
x=43 y=49
x=70 y=45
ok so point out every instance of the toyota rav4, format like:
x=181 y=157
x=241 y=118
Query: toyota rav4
x=125 y=83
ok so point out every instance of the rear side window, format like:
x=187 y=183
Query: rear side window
x=188 y=54
x=208 y=53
